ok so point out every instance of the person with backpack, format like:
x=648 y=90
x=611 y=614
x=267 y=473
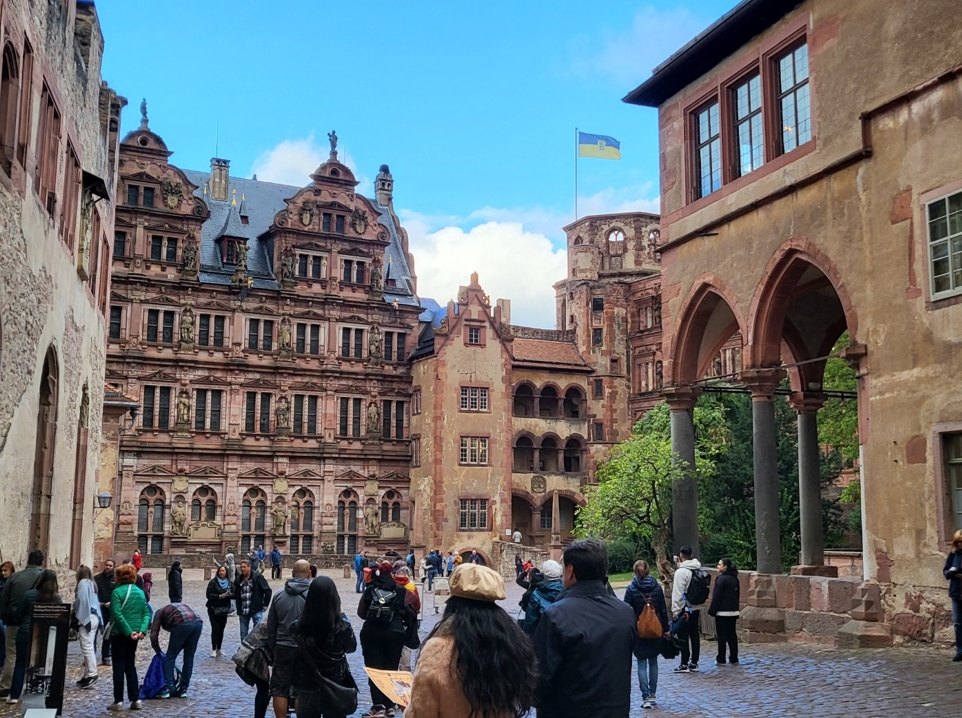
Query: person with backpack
x=385 y=615
x=724 y=608
x=541 y=595
x=689 y=591
x=647 y=599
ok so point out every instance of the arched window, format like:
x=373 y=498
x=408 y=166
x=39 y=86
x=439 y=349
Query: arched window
x=203 y=505
x=523 y=401
x=347 y=523
x=572 y=456
x=302 y=522
x=150 y=520
x=616 y=235
x=574 y=401
x=549 y=455
x=253 y=511
x=548 y=403
x=578 y=240
x=524 y=454
x=9 y=99
x=616 y=242
x=391 y=507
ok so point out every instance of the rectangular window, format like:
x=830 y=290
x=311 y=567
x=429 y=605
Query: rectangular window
x=339 y=224
x=952 y=450
x=148 y=399
x=300 y=338
x=794 y=104
x=399 y=420
x=474 y=398
x=358 y=343
x=26 y=103
x=386 y=418
x=116 y=315
x=342 y=417
x=348 y=274
x=599 y=389
x=302 y=260
x=163 y=408
x=265 y=417
x=345 y=342
x=148 y=196
x=253 y=333
x=230 y=252
x=356 y=417
x=326 y=222
x=216 y=403
x=474 y=335
x=545 y=519
x=474 y=451
x=218 y=331
x=250 y=412
x=401 y=353
x=48 y=151
x=267 y=340
x=156 y=247
x=599 y=431
x=415 y=452
x=312 y=415
x=298 y=425
x=388 y=345
x=153 y=321
x=133 y=194
x=749 y=141
x=597 y=304
x=474 y=514
x=120 y=244
x=945 y=244
x=359 y=273
x=316 y=265
x=171 y=253
x=315 y=345
x=597 y=337
x=416 y=402
x=203 y=330
x=200 y=410
x=708 y=167
x=168 y=335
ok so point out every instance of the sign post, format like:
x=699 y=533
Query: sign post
x=47 y=656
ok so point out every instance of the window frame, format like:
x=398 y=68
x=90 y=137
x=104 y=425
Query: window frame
x=475 y=400
x=947 y=240
x=482 y=449
x=474 y=509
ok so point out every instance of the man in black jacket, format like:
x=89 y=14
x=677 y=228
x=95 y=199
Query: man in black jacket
x=175 y=583
x=252 y=594
x=105 y=586
x=284 y=611
x=11 y=599
x=583 y=642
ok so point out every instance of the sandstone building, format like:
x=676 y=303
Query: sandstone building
x=811 y=186
x=58 y=163
x=264 y=330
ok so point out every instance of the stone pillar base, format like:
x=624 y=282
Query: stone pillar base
x=864 y=634
x=285 y=354
x=283 y=433
x=182 y=429
x=803 y=570
x=187 y=347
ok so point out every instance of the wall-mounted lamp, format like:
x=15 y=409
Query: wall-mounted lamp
x=104 y=500
x=129 y=423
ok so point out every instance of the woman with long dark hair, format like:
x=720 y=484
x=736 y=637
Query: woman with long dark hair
x=325 y=637
x=724 y=607
x=219 y=597
x=386 y=617
x=477 y=662
x=45 y=591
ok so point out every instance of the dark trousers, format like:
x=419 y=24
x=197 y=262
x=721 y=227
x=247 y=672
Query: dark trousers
x=262 y=698
x=183 y=637
x=125 y=667
x=275 y=570
x=218 y=622
x=689 y=637
x=725 y=632
x=20 y=665
x=310 y=705
x=956 y=620
x=382 y=649
x=105 y=639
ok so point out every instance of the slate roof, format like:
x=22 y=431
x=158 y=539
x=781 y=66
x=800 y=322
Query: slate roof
x=543 y=352
x=262 y=201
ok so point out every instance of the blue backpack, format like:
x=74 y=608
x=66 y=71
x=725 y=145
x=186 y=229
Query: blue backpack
x=541 y=598
x=154 y=681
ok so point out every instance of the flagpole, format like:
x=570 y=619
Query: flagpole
x=576 y=174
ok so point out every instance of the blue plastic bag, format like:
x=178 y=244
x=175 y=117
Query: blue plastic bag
x=154 y=681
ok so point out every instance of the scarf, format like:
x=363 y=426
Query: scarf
x=223 y=583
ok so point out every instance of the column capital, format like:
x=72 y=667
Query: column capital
x=807 y=402
x=762 y=382
x=681 y=398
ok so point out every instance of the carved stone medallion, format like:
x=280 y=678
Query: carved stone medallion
x=538 y=485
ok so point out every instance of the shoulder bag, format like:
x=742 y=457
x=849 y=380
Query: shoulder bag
x=336 y=698
x=109 y=628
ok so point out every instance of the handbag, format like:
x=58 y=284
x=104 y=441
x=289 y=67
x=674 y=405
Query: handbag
x=109 y=628
x=336 y=698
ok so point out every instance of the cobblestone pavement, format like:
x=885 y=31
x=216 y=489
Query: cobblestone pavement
x=772 y=680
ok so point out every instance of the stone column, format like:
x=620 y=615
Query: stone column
x=762 y=383
x=684 y=492
x=807 y=404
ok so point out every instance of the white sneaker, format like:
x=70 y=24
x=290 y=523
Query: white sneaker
x=136 y=706
x=647 y=704
x=11 y=700
x=220 y=653
x=119 y=706
x=213 y=654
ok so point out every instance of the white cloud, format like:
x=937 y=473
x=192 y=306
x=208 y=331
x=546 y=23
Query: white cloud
x=629 y=57
x=292 y=162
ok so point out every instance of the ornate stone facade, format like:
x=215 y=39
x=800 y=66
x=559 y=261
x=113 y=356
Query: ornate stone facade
x=244 y=318
x=58 y=153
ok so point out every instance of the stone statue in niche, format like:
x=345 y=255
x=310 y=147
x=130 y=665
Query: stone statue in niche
x=372 y=522
x=278 y=519
x=659 y=376
x=288 y=265
x=285 y=333
x=376 y=276
x=374 y=343
x=283 y=412
x=178 y=520
x=657 y=311
x=183 y=407
x=373 y=418
x=190 y=254
x=242 y=250
x=187 y=326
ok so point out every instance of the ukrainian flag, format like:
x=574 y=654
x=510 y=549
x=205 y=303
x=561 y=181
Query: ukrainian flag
x=601 y=146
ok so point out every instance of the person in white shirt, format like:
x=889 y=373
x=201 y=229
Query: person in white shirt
x=688 y=633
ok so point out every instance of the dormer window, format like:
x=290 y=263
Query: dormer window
x=231 y=252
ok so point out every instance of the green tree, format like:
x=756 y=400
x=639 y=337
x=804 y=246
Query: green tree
x=838 y=418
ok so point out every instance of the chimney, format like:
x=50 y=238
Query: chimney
x=505 y=306
x=219 y=174
x=384 y=187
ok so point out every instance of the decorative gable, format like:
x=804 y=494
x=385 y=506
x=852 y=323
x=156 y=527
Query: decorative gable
x=160 y=375
x=205 y=472
x=156 y=470
x=257 y=473
x=305 y=474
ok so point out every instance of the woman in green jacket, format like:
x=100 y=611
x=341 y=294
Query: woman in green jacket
x=130 y=619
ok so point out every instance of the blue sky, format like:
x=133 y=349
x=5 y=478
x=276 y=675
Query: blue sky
x=473 y=106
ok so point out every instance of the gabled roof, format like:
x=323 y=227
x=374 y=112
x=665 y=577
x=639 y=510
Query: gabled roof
x=732 y=31
x=548 y=353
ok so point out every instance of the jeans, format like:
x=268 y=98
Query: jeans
x=245 y=623
x=648 y=676
x=957 y=620
x=20 y=664
x=183 y=637
x=432 y=574
x=218 y=622
x=359 y=584
x=125 y=667
x=10 y=657
x=689 y=635
x=725 y=631
x=85 y=636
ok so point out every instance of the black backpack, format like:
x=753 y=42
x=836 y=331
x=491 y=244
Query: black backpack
x=698 y=587
x=381 y=609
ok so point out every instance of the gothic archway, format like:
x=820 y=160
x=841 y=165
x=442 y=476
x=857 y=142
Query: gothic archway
x=43 y=479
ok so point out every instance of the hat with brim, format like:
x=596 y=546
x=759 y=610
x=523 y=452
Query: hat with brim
x=478 y=583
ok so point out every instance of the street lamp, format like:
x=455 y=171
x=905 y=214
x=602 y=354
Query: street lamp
x=103 y=501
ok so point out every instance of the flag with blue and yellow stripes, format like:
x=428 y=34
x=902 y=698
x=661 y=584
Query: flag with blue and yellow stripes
x=600 y=146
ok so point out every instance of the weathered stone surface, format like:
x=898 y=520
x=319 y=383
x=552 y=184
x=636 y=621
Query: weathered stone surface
x=827 y=571
x=801 y=593
x=866 y=604
x=864 y=634
x=824 y=624
x=818 y=590
x=784 y=595
x=763 y=619
x=794 y=620
x=761 y=590
x=840 y=593
x=914 y=626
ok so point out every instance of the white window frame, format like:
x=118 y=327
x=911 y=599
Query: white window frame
x=947 y=241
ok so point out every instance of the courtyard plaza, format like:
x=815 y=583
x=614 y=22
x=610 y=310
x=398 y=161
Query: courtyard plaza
x=771 y=680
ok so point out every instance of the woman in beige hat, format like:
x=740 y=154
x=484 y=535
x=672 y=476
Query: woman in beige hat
x=477 y=661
